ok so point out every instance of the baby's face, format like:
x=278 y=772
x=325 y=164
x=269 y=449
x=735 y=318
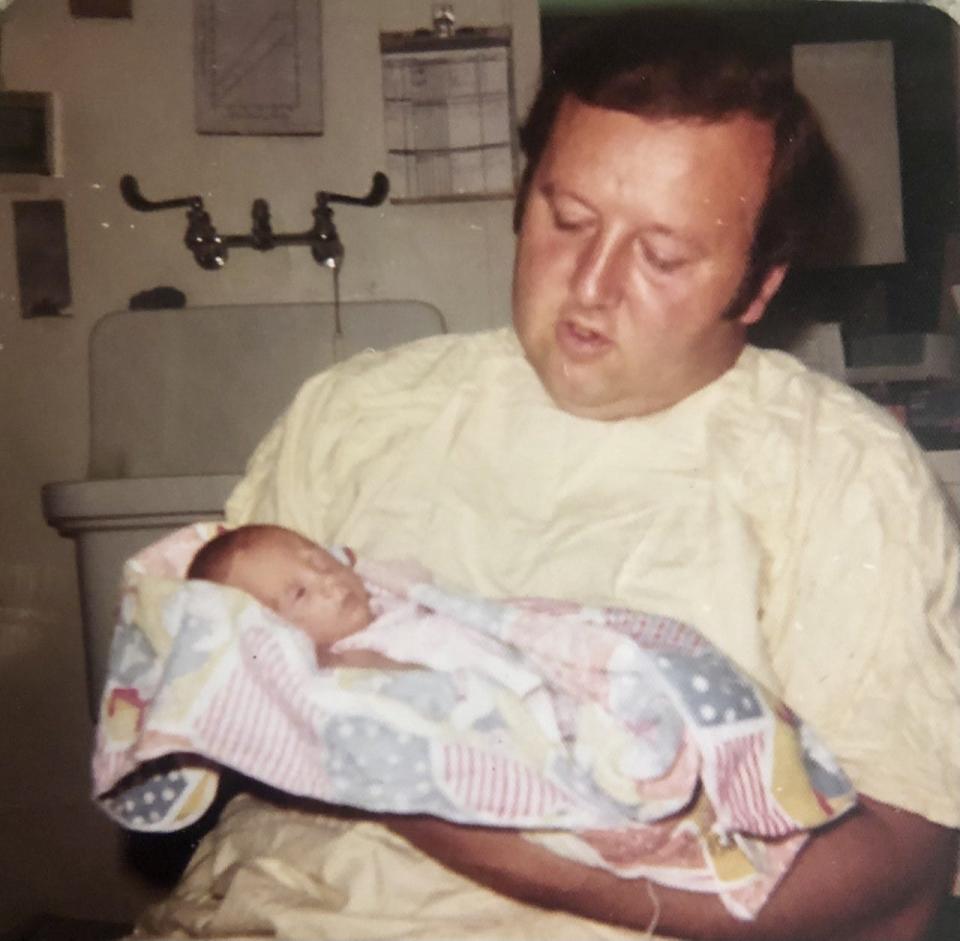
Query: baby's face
x=305 y=585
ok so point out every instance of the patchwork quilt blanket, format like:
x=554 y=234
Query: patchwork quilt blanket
x=620 y=739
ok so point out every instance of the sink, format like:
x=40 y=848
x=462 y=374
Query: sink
x=178 y=400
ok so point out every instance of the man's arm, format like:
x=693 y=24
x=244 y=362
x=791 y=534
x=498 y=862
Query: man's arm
x=878 y=874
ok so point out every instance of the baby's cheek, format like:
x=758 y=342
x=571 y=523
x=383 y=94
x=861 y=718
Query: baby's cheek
x=324 y=626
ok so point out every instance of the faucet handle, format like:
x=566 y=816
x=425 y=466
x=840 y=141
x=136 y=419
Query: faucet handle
x=130 y=191
x=379 y=188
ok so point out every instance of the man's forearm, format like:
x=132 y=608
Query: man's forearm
x=878 y=874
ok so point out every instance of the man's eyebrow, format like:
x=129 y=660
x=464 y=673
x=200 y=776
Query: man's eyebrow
x=691 y=243
x=551 y=190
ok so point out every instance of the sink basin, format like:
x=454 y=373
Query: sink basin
x=178 y=400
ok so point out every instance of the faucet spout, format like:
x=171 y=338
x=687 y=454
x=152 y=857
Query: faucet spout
x=325 y=245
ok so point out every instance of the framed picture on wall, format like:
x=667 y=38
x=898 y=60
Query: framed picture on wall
x=257 y=67
x=26 y=132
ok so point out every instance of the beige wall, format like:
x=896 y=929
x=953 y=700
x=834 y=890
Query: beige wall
x=126 y=93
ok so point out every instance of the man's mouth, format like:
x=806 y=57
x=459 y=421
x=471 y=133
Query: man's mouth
x=579 y=340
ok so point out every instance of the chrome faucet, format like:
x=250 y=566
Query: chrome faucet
x=210 y=249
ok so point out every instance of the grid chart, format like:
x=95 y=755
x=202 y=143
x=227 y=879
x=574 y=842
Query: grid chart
x=448 y=123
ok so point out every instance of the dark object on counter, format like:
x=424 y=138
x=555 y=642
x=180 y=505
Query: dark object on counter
x=158 y=298
x=929 y=409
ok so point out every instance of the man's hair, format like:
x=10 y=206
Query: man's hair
x=696 y=65
x=213 y=559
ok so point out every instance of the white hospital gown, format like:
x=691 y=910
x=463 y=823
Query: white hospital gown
x=787 y=518
x=780 y=513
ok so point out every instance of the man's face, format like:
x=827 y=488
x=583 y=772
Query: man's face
x=634 y=239
x=305 y=585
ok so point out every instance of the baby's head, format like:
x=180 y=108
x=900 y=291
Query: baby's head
x=288 y=573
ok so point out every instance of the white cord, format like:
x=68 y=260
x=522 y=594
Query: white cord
x=648 y=934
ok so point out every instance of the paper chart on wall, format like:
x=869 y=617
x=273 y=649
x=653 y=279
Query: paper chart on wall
x=447 y=117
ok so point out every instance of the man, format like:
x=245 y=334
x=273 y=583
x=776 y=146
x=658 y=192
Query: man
x=635 y=450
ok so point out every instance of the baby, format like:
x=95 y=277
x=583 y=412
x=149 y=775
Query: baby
x=297 y=579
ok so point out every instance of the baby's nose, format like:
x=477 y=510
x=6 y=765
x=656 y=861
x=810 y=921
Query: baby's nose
x=331 y=583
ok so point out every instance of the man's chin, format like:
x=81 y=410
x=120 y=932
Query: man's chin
x=577 y=388
x=583 y=401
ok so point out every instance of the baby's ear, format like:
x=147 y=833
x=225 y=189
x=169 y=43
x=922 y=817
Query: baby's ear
x=343 y=554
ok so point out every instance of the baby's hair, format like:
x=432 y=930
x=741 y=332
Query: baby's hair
x=213 y=558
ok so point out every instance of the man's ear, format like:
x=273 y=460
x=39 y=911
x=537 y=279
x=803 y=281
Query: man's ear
x=768 y=287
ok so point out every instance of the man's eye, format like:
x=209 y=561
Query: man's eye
x=568 y=223
x=569 y=218
x=662 y=262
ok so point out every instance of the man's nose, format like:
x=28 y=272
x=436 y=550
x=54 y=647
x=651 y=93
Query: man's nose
x=598 y=279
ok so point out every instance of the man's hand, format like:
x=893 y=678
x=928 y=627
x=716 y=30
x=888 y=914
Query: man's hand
x=878 y=874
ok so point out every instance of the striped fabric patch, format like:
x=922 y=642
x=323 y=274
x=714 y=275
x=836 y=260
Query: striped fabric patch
x=496 y=786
